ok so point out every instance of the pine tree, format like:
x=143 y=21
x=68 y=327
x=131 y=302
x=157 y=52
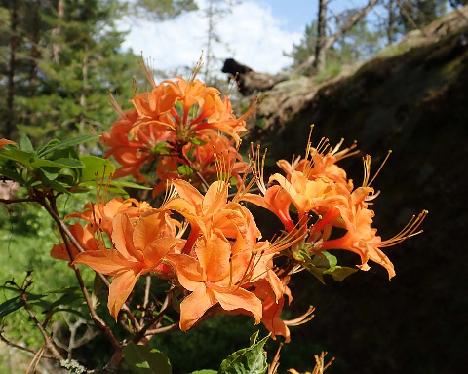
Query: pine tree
x=61 y=58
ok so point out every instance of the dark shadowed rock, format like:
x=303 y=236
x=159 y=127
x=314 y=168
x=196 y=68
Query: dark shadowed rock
x=414 y=102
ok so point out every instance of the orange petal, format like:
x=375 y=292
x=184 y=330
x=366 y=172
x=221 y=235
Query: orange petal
x=155 y=251
x=195 y=305
x=215 y=197
x=122 y=237
x=240 y=299
x=146 y=231
x=108 y=262
x=213 y=256
x=187 y=192
x=119 y=290
x=272 y=320
x=189 y=273
x=4 y=142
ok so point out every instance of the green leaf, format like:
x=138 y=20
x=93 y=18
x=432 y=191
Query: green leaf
x=96 y=168
x=205 y=371
x=59 y=163
x=324 y=260
x=142 y=359
x=70 y=296
x=45 y=147
x=51 y=175
x=24 y=158
x=251 y=360
x=315 y=271
x=25 y=144
x=129 y=184
x=340 y=273
x=15 y=303
x=184 y=170
x=10 y=306
x=67 y=143
x=161 y=148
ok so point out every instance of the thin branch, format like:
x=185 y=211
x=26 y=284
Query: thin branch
x=154 y=321
x=15 y=201
x=273 y=367
x=350 y=23
x=160 y=330
x=101 y=325
x=19 y=347
x=146 y=298
x=63 y=228
x=47 y=339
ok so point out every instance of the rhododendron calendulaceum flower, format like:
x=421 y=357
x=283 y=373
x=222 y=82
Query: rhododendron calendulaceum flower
x=180 y=126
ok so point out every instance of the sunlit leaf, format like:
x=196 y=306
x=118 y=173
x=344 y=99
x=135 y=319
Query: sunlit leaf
x=251 y=360
x=67 y=143
x=25 y=144
x=142 y=359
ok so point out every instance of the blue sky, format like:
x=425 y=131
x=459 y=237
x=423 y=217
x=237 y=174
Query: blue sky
x=297 y=13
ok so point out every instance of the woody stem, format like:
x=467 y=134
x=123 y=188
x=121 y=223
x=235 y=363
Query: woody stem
x=100 y=324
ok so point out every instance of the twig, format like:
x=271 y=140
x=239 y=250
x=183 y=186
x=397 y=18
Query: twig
x=47 y=339
x=273 y=367
x=66 y=234
x=162 y=329
x=15 y=201
x=146 y=298
x=154 y=321
x=19 y=347
x=320 y=365
x=35 y=361
x=101 y=325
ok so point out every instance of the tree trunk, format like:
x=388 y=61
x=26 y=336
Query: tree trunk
x=10 y=99
x=210 y=14
x=391 y=22
x=56 y=32
x=34 y=52
x=320 y=47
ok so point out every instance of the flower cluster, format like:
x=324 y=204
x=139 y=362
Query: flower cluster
x=207 y=244
x=318 y=188
x=178 y=129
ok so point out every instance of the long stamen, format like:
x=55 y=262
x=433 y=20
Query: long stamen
x=410 y=230
x=148 y=73
x=381 y=166
x=116 y=106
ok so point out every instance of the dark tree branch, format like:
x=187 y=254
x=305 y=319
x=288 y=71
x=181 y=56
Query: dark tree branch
x=24 y=349
x=350 y=23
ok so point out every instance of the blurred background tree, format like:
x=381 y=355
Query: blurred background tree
x=61 y=58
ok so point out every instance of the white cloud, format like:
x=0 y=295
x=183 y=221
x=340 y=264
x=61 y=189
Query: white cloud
x=249 y=33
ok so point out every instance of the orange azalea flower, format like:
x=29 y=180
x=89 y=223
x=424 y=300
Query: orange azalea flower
x=131 y=144
x=276 y=200
x=310 y=195
x=272 y=309
x=152 y=105
x=320 y=162
x=84 y=236
x=100 y=216
x=361 y=238
x=139 y=249
x=215 y=276
x=212 y=213
x=4 y=142
x=216 y=150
